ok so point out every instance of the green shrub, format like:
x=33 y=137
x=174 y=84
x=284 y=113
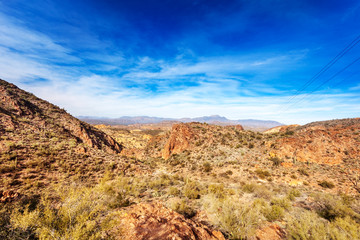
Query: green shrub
x=183 y=208
x=276 y=161
x=282 y=202
x=344 y=228
x=174 y=191
x=332 y=207
x=249 y=187
x=274 y=212
x=326 y=184
x=191 y=190
x=80 y=213
x=237 y=220
x=304 y=172
x=207 y=167
x=160 y=182
x=218 y=190
x=262 y=173
x=307 y=226
x=260 y=191
x=294 y=193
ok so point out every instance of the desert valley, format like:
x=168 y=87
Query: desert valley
x=63 y=178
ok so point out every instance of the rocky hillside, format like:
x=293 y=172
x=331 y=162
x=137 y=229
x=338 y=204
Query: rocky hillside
x=293 y=155
x=326 y=142
x=20 y=109
x=40 y=141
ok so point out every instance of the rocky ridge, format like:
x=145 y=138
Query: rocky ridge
x=18 y=107
x=328 y=142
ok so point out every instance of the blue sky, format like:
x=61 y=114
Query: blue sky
x=238 y=59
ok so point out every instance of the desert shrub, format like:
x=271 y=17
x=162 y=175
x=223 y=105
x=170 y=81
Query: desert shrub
x=237 y=220
x=174 y=191
x=207 y=167
x=326 y=184
x=293 y=193
x=262 y=191
x=262 y=173
x=80 y=213
x=225 y=174
x=274 y=212
x=259 y=191
x=181 y=206
x=289 y=133
x=331 y=207
x=344 y=228
x=6 y=230
x=276 y=161
x=175 y=159
x=160 y=182
x=293 y=176
x=191 y=190
x=307 y=226
x=303 y=171
x=249 y=187
x=282 y=202
x=217 y=189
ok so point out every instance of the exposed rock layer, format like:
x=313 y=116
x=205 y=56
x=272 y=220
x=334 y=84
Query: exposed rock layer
x=18 y=107
x=327 y=142
x=153 y=221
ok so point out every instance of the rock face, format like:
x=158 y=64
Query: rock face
x=153 y=221
x=271 y=231
x=22 y=109
x=190 y=136
x=327 y=142
x=179 y=140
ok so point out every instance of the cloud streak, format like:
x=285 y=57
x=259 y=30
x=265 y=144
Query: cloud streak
x=98 y=76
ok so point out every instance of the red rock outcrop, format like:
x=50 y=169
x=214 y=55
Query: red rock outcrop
x=179 y=140
x=153 y=221
x=271 y=231
x=328 y=142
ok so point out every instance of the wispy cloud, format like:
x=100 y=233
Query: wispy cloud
x=110 y=83
x=15 y=36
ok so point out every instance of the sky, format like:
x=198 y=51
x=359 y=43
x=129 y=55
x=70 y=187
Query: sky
x=264 y=59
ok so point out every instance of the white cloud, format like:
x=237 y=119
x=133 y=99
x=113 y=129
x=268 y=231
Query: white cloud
x=27 y=55
x=15 y=36
x=354 y=88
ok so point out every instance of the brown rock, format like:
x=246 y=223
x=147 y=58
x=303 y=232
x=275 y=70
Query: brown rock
x=179 y=140
x=271 y=231
x=328 y=142
x=153 y=221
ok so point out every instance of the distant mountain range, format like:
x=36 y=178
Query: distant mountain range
x=250 y=124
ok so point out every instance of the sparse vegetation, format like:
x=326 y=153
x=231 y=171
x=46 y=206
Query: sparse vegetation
x=55 y=185
x=326 y=184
